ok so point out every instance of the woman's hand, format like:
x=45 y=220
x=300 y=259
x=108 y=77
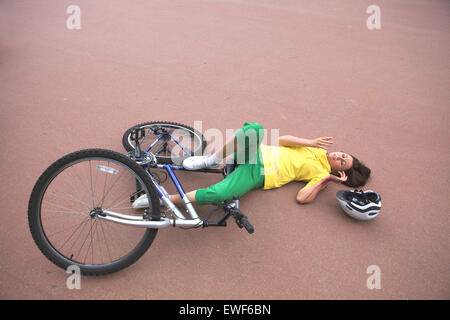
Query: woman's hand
x=342 y=178
x=323 y=142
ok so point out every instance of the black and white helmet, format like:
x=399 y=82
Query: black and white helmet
x=361 y=205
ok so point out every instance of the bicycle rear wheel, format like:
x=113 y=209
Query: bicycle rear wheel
x=180 y=142
x=65 y=203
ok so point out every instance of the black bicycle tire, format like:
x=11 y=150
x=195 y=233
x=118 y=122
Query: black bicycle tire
x=162 y=160
x=44 y=244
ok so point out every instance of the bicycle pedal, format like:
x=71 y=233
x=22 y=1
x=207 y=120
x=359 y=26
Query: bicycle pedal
x=137 y=134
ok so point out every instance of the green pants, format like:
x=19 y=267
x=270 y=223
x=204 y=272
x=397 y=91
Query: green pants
x=249 y=173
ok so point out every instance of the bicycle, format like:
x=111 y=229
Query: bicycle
x=80 y=212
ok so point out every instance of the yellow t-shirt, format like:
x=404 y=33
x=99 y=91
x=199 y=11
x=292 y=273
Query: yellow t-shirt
x=286 y=164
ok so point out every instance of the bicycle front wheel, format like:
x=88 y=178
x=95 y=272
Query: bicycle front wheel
x=170 y=142
x=63 y=208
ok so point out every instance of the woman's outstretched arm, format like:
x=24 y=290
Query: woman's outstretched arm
x=291 y=141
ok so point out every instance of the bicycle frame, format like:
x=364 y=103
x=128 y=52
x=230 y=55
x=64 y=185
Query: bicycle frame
x=179 y=220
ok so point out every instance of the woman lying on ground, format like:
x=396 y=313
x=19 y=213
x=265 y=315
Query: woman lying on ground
x=268 y=167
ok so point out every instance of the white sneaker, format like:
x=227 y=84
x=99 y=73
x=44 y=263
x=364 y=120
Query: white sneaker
x=142 y=202
x=198 y=162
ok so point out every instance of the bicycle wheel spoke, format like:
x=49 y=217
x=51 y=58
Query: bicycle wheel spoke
x=106 y=241
x=51 y=235
x=71 y=187
x=99 y=244
x=84 y=241
x=68 y=210
x=92 y=188
x=69 y=197
x=82 y=224
x=91 y=233
x=113 y=185
x=119 y=236
x=82 y=182
x=124 y=197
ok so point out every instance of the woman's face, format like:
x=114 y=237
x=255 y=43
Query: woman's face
x=339 y=161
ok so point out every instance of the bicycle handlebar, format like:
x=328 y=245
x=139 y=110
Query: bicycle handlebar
x=241 y=220
x=247 y=225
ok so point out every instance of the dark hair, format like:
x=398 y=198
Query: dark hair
x=357 y=175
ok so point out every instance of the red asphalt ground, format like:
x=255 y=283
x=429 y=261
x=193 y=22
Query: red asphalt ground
x=307 y=68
